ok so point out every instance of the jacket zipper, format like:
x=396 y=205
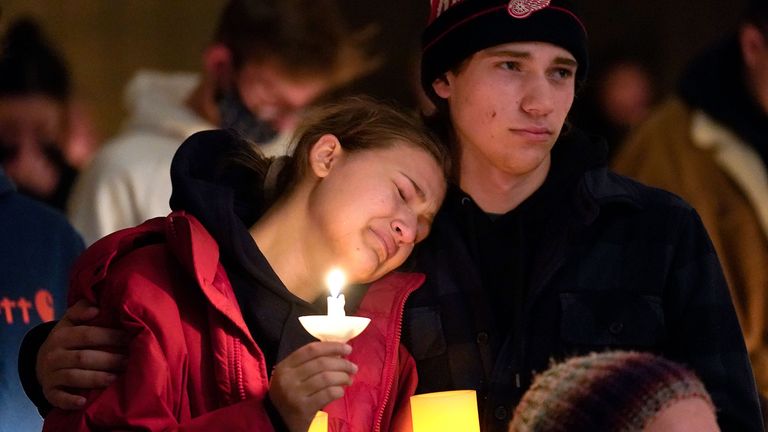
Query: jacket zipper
x=398 y=333
x=238 y=366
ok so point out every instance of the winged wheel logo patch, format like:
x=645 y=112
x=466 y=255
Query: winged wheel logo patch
x=524 y=8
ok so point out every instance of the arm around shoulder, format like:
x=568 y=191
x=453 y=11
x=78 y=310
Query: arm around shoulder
x=151 y=394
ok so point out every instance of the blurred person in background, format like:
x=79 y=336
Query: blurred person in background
x=35 y=93
x=268 y=60
x=709 y=143
x=37 y=249
x=617 y=100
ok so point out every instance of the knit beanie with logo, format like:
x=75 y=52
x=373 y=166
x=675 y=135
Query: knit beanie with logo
x=610 y=391
x=459 y=28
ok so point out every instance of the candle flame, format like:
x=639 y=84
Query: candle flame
x=335 y=280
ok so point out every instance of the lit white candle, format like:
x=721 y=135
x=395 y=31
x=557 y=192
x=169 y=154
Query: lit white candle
x=335 y=280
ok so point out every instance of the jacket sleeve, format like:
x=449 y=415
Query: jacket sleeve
x=28 y=351
x=151 y=395
x=704 y=330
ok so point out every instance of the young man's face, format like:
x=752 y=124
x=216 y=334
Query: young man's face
x=508 y=104
x=274 y=96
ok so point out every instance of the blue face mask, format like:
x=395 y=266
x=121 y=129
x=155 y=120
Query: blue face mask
x=235 y=115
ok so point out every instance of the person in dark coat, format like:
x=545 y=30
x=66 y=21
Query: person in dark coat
x=707 y=143
x=539 y=251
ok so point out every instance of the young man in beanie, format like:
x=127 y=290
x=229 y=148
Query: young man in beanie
x=539 y=252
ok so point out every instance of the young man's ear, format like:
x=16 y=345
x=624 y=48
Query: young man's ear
x=324 y=154
x=442 y=86
x=218 y=64
x=753 y=45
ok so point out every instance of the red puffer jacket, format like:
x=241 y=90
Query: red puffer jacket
x=193 y=365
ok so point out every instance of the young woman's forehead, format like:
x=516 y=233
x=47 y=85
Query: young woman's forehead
x=413 y=162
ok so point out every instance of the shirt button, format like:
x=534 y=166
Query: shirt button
x=465 y=201
x=500 y=413
x=482 y=338
x=616 y=327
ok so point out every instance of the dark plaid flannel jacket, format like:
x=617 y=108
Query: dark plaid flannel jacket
x=622 y=266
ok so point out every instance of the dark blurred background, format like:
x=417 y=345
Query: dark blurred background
x=107 y=41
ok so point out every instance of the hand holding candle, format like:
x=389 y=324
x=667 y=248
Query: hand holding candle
x=296 y=392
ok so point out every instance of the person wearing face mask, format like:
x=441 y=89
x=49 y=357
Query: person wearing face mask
x=211 y=294
x=267 y=61
x=35 y=92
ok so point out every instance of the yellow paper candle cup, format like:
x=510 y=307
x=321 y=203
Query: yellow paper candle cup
x=319 y=423
x=445 y=411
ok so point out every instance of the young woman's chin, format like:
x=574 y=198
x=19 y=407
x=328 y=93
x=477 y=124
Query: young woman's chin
x=366 y=271
x=366 y=276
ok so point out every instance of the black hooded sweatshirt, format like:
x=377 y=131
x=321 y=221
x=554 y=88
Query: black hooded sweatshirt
x=228 y=198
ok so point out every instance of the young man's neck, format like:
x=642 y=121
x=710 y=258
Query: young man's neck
x=495 y=191
x=202 y=101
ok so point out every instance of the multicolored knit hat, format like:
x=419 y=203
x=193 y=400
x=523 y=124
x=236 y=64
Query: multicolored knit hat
x=459 y=28
x=611 y=391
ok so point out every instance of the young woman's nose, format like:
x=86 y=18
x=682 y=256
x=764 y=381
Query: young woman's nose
x=404 y=230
